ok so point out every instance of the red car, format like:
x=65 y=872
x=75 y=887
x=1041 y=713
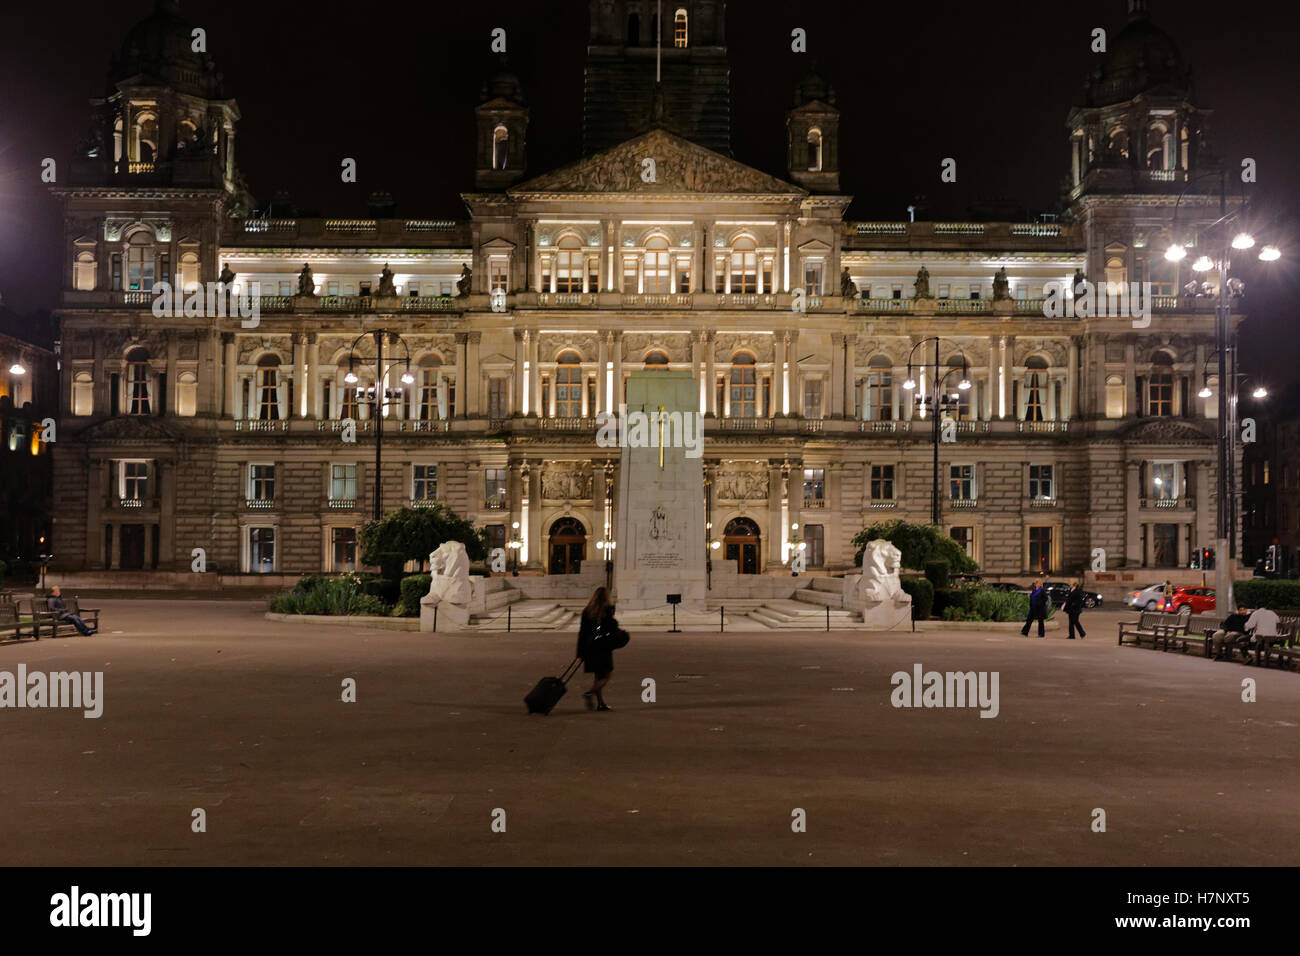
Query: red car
x=1200 y=599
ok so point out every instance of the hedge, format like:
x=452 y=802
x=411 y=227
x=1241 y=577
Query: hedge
x=1266 y=592
x=414 y=587
x=922 y=592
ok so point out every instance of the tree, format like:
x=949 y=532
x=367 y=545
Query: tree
x=920 y=544
x=409 y=534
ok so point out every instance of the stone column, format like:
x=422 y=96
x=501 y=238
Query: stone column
x=313 y=383
x=697 y=359
x=699 y=258
x=778 y=371
x=473 y=388
x=835 y=523
x=167 y=521
x=514 y=493
x=1072 y=382
x=536 y=540
x=603 y=403
x=230 y=368
x=301 y=399
x=462 y=383
x=850 y=397
x=794 y=494
x=1008 y=375
x=795 y=375
x=617 y=345
x=775 y=526
x=1131 y=406
x=710 y=374
x=534 y=377
x=1132 y=523
x=518 y=397
x=837 y=375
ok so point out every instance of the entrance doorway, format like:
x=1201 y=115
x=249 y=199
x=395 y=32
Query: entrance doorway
x=568 y=546
x=740 y=542
x=132 y=547
x=1165 y=540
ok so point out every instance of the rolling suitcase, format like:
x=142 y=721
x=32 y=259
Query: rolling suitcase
x=549 y=690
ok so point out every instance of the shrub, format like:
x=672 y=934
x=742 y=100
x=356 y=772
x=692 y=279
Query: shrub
x=922 y=592
x=414 y=587
x=919 y=544
x=410 y=534
x=936 y=572
x=1264 y=592
x=319 y=594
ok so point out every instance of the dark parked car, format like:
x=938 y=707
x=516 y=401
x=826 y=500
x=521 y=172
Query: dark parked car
x=1008 y=586
x=1057 y=590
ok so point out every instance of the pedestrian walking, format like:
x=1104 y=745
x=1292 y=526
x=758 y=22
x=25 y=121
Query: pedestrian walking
x=1037 y=608
x=1168 y=605
x=1073 y=606
x=598 y=637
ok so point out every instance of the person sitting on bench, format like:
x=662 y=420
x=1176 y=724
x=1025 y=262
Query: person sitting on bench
x=1262 y=628
x=1232 y=631
x=59 y=608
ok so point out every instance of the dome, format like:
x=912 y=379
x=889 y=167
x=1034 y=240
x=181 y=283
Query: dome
x=503 y=84
x=813 y=86
x=1140 y=58
x=159 y=47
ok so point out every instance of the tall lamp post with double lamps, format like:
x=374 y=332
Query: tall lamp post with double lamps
x=380 y=401
x=1232 y=227
x=937 y=403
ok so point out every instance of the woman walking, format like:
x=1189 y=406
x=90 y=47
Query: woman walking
x=598 y=636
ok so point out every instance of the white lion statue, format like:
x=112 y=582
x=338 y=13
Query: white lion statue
x=880 y=564
x=449 y=572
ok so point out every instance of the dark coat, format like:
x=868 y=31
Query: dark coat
x=57 y=606
x=1038 y=602
x=1073 y=603
x=596 y=643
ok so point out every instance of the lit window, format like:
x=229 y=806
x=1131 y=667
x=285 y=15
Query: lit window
x=83 y=272
x=657 y=278
x=961 y=482
x=743 y=386
x=680 y=29
x=744 y=267
x=568 y=386
x=343 y=482
x=1114 y=396
x=814 y=150
x=1160 y=387
x=570 y=264
x=500 y=147
x=138 y=384
x=83 y=394
x=261 y=482
x=1040 y=482
x=261 y=550
x=424 y=483
x=1035 y=390
x=882 y=482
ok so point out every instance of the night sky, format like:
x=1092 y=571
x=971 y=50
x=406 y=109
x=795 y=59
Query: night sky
x=394 y=85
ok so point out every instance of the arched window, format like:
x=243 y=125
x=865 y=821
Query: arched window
x=1160 y=152
x=656 y=360
x=138 y=384
x=117 y=140
x=1116 y=274
x=1117 y=142
x=569 y=265
x=658 y=277
x=958 y=398
x=140 y=262
x=1115 y=396
x=1035 y=389
x=187 y=393
x=1182 y=148
x=634 y=29
x=189 y=271
x=429 y=382
x=814 y=150
x=744 y=266
x=680 y=33
x=268 y=389
x=83 y=271
x=1160 y=387
x=500 y=147
x=568 y=385
x=743 y=386
x=879 y=405
x=83 y=394
x=144 y=139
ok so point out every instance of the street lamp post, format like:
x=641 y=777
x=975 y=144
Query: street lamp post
x=380 y=400
x=1225 y=511
x=937 y=403
x=514 y=544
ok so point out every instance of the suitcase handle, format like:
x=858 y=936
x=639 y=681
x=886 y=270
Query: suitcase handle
x=570 y=670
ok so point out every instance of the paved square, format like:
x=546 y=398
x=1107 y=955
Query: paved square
x=207 y=704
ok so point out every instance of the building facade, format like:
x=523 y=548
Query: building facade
x=505 y=334
x=29 y=387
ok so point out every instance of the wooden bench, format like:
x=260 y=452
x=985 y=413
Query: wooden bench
x=1285 y=648
x=1194 y=630
x=43 y=618
x=12 y=624
x=1151 y=627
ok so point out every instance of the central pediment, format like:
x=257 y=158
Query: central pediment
x=680 y=166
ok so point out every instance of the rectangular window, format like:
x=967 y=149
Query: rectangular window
x=814 y=484
x=815 y=536
x=961 y=482
x=720 y=395
x=494 y=487
x=965 y=538
x=1164 y=480
x=499 y=274
x=768 y=264
x=497 y=398
x=344 y=549
x=424 y=483
x=974 y=292
x=261 y=482
x=593 y=274
x=331 y=287
x=744 y=272
x=720 y=275
x=882 y=482
x=446 y=288
x=1035 y=397
x=135 y=481
x=343 y=482
x=943 y=290
x=683 y=282
x=268 y=394
x=365 y=288
x=812 y=398
x=413 y=289
x=630 y=275
x=1040 y=481
x=1160 y=394
x=1040 y=550
x=544 y=411
x=286 y=287
x=812 y=277
x=896 y=290
x=767 y=395
x=261 y=550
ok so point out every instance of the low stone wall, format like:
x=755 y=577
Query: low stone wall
x=170 y=581
x=350 y=620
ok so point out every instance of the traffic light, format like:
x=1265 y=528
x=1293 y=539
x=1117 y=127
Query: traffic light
x=1270 y=559
x=1207 y=559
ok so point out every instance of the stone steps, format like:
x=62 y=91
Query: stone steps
x=828 y=585
x=820 y=597
x=802 y=616
x=526 y=615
